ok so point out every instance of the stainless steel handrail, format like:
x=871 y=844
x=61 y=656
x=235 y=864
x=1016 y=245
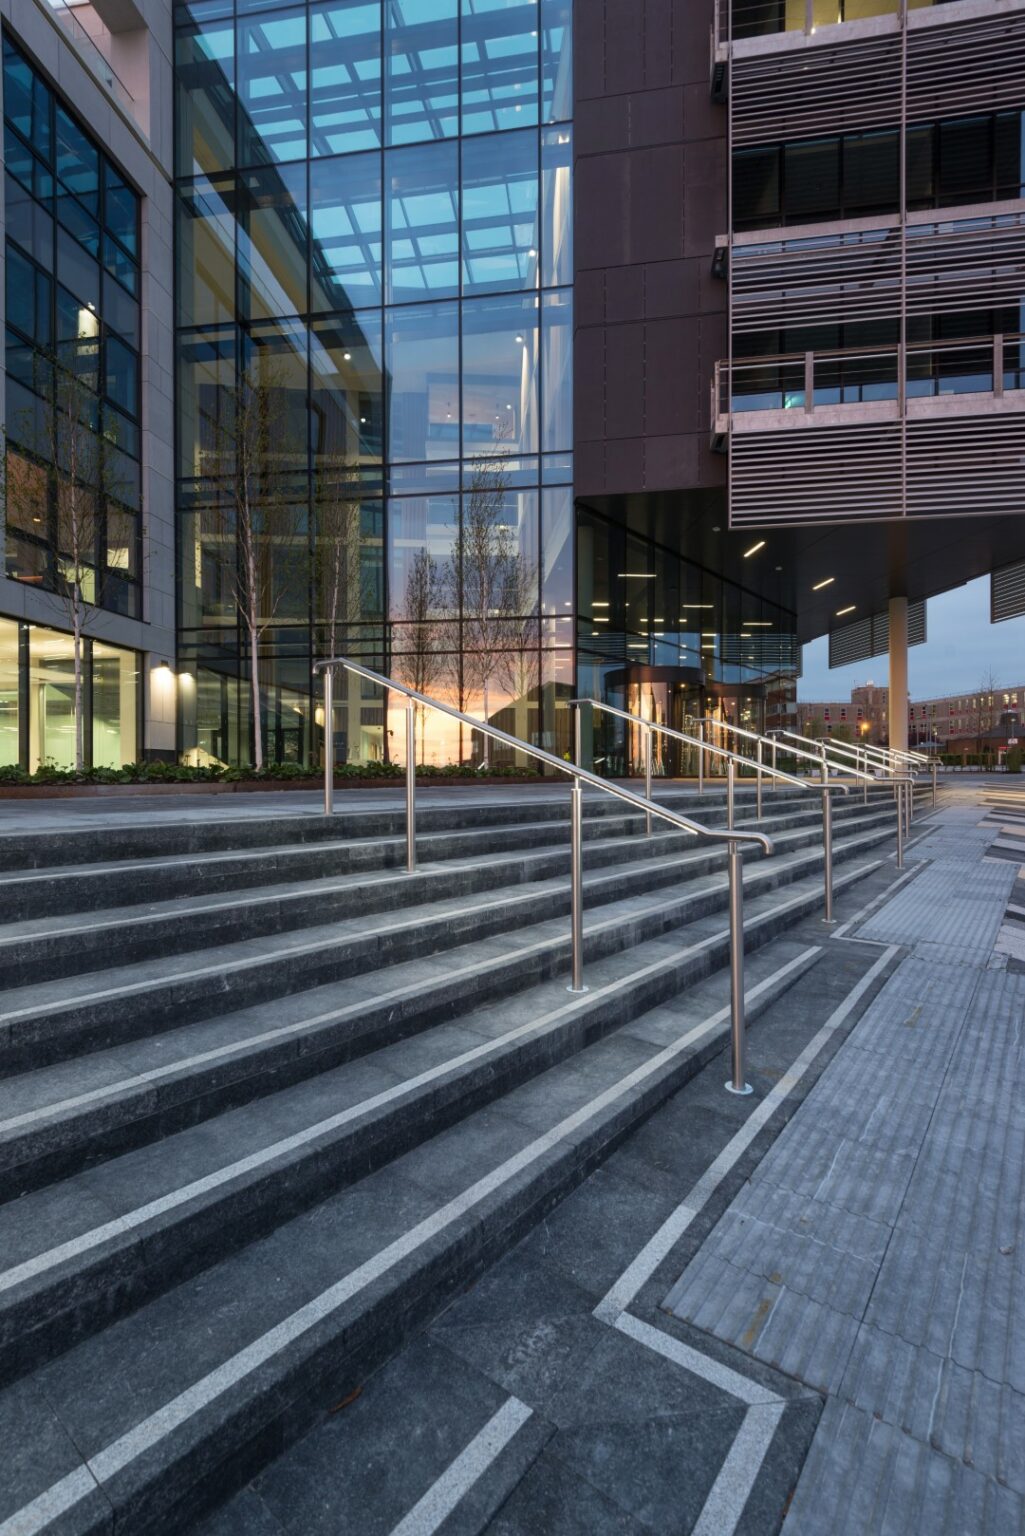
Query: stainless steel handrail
x=732 y=759
x=692 y=741
x=901 y=777
x=580 y=777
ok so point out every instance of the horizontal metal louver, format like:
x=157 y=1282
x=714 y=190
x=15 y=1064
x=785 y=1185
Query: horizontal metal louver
x=815 y=475
x=816 y=90
x=953 y=265
x=1007 y=593
x=960 y=466
x=764 y=652
x=973 y=66
x=865 y=638
x=953 y=70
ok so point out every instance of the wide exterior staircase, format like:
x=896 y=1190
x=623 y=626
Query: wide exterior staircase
x=268 y=1101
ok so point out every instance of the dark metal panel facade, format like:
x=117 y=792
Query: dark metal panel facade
x=650 y=199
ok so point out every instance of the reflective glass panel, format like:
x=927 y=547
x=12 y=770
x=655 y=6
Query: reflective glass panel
x=499 y=64
x=421 y=50
x=347 y=391
x=204 y=83
x=345 y=252
x=557 y=196
x=556 y=60
x=78 y=162
x=122 y=376
x=422 y=534
x=120 y=209
x=422 y=359
x=557 y=372
x=422 y=223
x=206 y=251
x=272 y=87
x=27 y=100
x=9 y=668
x=500 y=352
x=345 y=75
x=500 y=236
x=272 y=242
x=557 y=551
x=115 y=702
x=206 y=377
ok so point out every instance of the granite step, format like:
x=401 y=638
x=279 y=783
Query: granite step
x=57 y=1018
x=116 y=1234
x=141 y=1425
x=48 y=946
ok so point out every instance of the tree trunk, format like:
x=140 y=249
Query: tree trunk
x=254 y=673
x=79 y=721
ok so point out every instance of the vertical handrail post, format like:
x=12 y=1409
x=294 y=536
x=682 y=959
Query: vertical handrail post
x=731 y=786
x=863 y=763
x=410 y=787
x=827 y=844
x=758 y=786
x=934 y=771
x=576 y=854
x=647 y=778
x=329 y=741
x=900 y=829
x=701 y=757
x=778 y=781
x=578 y=733
x=738 y=1083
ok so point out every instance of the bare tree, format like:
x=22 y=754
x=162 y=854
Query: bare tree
x=260 y=517
x=519 y=660
x=983 y=711
x=337 y=552
x=484 y=554
x=423 y=658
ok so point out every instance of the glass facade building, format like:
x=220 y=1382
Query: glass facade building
x=374 y=305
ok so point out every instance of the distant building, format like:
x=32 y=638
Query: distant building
x=862 y=717
x=958 y=722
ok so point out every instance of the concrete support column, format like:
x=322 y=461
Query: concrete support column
x=898 y=698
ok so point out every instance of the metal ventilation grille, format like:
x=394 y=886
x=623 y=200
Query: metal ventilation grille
x=955 y=265
x=764 y=652
x=963 y=465
x=813 y=90
x=1007 y=593
x=973 y=66
x=815 y=475
x=870 y=637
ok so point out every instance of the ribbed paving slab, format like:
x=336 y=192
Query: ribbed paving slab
x=878 y=1252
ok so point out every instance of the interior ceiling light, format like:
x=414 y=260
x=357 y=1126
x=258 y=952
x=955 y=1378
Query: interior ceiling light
x=757 y=623
x=820 y=584
x=697 y=605
x=849 y=609
x=596 y=604
x=636 y=575
x=754 y=549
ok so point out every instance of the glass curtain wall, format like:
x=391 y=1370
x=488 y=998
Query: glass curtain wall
x=667 y=640
x=37 y=700
x=71 y=354
x=374 y=252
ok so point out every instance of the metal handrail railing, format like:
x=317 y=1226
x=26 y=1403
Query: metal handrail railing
x=580 y=777
x=773 y=742
x=901 y=776
x=732 y=759
x=691 y=741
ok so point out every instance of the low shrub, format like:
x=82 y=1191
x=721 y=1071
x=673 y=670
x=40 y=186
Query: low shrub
x=1012 y=760
x=182 y=773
